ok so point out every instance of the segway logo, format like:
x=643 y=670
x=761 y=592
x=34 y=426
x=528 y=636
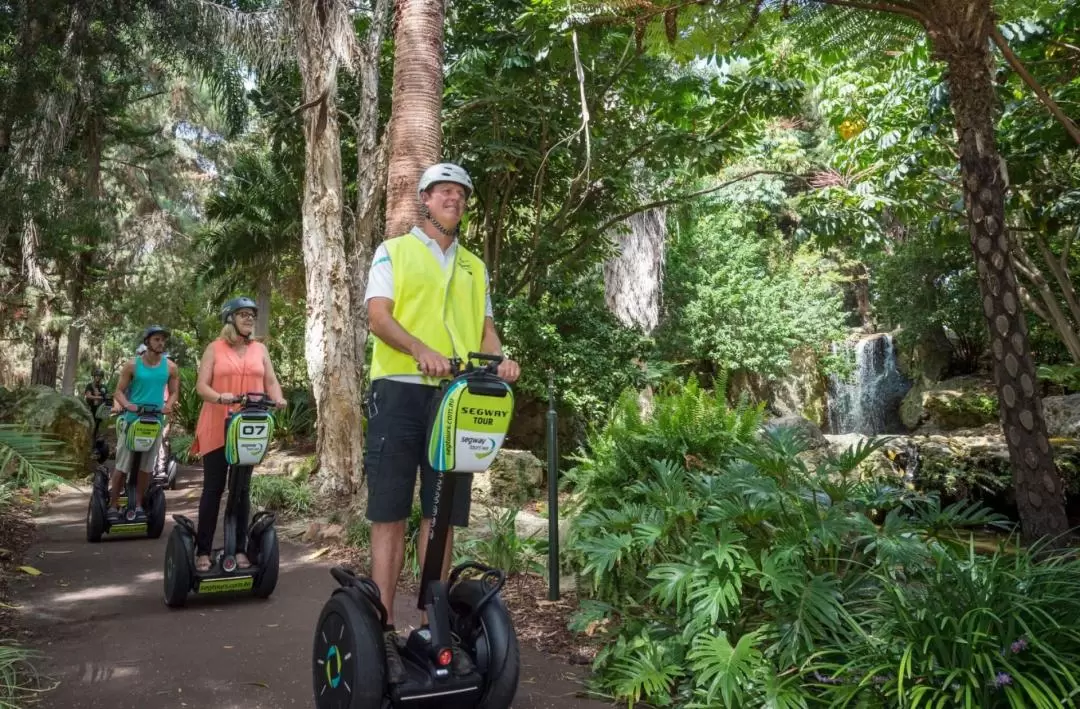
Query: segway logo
x=243 y=583
x=333 y=667
x=480 y=447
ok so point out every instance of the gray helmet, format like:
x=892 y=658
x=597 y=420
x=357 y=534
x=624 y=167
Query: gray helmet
x=153 y=330
x=98 y=372
x=231 y=306
x=140 y=349
x=445 y=172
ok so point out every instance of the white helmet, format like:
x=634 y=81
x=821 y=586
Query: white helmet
x=140 y=349
x=445 y=172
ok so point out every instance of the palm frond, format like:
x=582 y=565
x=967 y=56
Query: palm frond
x=30 y=460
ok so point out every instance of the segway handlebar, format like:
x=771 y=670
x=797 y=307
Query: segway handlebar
x=460 y=366
x=147 y=410
x=255 y=400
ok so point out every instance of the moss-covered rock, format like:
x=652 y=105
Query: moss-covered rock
x=514 y=477
x=958 y=403
x=66 y=418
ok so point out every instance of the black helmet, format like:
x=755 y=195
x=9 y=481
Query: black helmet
x=153 y=330
x=235 y=304
x=98 y=372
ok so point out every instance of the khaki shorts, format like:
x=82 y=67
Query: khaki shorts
x=146 y=463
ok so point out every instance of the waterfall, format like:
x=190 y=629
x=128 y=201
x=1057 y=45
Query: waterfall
x=869 y=402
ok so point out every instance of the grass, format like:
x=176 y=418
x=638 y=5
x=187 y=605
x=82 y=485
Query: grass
x=281 y=494
x=16 y=675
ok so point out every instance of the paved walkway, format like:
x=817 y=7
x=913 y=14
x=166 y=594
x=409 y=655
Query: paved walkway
x=97 y=614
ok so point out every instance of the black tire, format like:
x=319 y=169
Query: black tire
x=267 y=559
x=347 y=627
x=492 y=643
x=178 y=558
x=155 y=519
x=95 y=518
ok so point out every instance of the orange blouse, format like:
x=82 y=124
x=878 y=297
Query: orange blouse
x=232 y=375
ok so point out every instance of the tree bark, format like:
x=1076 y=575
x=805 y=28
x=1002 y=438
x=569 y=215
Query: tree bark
x=416 y=107
x=960 y=33
x=329 y=344
x=71 y=360
x=371 y=159
x=46 y=353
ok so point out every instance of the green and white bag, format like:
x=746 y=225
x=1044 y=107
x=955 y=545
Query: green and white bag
x=247 y=437
x=138 y=435
x=470 y=423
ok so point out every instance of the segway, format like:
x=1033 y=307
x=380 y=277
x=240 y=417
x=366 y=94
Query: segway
x=349 y=659
x=138 y=436
x=248 y=433
x=166 y=471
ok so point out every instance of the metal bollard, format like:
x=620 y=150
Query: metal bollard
x=553 y=492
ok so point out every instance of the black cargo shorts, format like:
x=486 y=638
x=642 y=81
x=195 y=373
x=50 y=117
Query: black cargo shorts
x=399 y=414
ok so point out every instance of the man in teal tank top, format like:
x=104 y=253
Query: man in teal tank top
x=143 y=381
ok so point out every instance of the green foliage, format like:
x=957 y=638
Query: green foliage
x=569 y=331
x=29 y=459
x=296 y=421
x=17 y=675
x=499 y=545
x=181 y=448
x=738 y=296
x=281 y=494
x=189 y=405
x=739 y=576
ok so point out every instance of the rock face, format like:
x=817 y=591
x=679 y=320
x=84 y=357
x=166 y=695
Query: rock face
x=807 y=430
x=800 y=392
x=958 y=403
x=513 y=478
x=65 y=418
x=1062 y=416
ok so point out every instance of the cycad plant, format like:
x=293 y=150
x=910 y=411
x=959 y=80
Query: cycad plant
x=738 y=576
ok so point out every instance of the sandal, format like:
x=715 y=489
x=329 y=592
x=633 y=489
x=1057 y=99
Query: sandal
x=202 y=562
x=242 y=561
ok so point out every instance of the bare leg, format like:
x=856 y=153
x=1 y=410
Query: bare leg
x=140 y=486
x=421 y=549
x=116 y=484
x=387 y=558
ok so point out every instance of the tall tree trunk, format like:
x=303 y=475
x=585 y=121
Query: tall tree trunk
x=263 y=291
x=416 y=107
x=329 y=343
x=71 y=359
x=960 y=31
x=370 y=173
x=46 y=355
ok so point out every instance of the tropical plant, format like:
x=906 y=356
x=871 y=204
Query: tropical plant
x=721 y=568
x=30 y=459
x=17 y=675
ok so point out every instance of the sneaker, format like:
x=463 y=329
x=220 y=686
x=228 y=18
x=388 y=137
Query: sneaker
x=113 y=515
x=462 y=664
x=395 y=667
x=140 y=514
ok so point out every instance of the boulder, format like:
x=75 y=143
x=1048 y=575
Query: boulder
x=1062 y=415
x=957 y=403
x=64 y=418
x=807 y=430
x=281 y=462
x=514 y=477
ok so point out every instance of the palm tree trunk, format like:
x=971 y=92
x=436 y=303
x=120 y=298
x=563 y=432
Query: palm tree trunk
x=416 y=108
x=960 y=31
x=329 y=344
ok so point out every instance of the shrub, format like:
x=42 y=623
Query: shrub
x=722 y=571
x=281 y=494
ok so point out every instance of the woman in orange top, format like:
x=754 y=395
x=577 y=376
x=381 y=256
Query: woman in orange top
x=232 y=365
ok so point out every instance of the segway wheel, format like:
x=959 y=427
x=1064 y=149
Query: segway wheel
x=267 y=559
x=349 y=659
x=95 y=518
x=178 y=564
x=171 y=469
x=155 y=522
x=491 y=642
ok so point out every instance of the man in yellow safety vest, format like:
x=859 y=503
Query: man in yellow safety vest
x=428 y=300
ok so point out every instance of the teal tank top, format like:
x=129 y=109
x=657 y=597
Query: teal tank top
x=148 y=384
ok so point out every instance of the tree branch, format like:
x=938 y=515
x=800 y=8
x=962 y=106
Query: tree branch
x=897 y=8
x=1047 y=100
